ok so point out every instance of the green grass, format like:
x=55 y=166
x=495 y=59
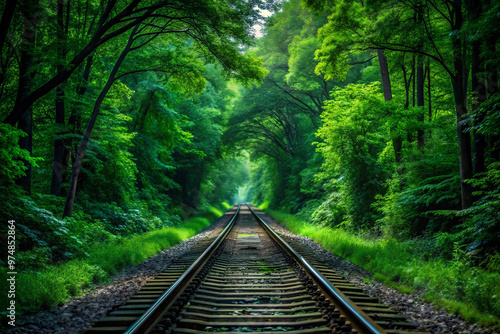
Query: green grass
x=226 y=205
x=113 y=257
x=263 y=206
x=453 y=285
x=36 y=290
x=216 y=212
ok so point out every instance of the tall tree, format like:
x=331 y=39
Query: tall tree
x=397 y=141
x=58 y=164
x=25 y=84
x=206 y=30
x=386 y=25
x=70 y=199
x=420 y=77
x=7 y=15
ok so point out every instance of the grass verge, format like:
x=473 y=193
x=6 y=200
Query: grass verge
x=264 y=206
x=453 y=285
x=226 y=205
x=36 y=290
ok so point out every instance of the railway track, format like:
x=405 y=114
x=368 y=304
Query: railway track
x=248 y=279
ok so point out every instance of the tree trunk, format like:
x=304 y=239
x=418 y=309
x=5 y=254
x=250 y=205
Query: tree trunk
x=420 y=101
x=407 y=87
x=429 y=95
x=75 y=120
x=420 y=80
x=384 y=72
x=70 y=199
x=58 y=164
x=478 y=89
x=7 y=15
x=464 y=142
x=464 y=146
x=25 y=123
x=413 y=63
x=397 y=142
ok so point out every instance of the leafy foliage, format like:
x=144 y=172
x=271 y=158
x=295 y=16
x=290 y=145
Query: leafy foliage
x=12 y=157
x=46 y=286
x=481 y=225
x=351 y=145
x=344 y=112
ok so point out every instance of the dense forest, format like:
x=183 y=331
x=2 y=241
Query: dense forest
x=380 y=118
x=113 y=113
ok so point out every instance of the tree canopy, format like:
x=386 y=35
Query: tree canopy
x=397 y=97
x=113 y=113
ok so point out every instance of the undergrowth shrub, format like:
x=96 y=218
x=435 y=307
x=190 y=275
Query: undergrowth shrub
x=43 y=239
x=481 y=221
x=126 y=221
x=12 y=157
x=331 y=212
x=66 y=239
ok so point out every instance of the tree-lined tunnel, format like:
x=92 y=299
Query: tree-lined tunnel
x=374 y=120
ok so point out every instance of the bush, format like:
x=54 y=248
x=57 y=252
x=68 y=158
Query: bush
x=126 y=221
x=331 y=212
x=481 y=221
x=11 y=156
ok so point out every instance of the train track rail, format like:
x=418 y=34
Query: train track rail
x=249 y=279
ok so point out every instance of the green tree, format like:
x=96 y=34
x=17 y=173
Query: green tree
x=437 y=32
x=352 y=142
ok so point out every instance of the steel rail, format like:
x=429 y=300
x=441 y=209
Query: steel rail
x=154 y=314
x=358 y=318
